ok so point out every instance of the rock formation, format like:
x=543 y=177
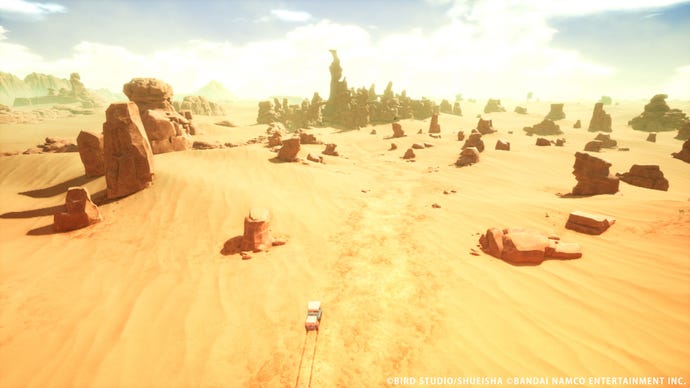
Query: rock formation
x=330 y=150
x=288 y=152
x=199 y=105
x=149 y=93
x=267 y=114
x=257 y=235
x=80 y=211
x=393 y=147
x=543 y=142
x=684 y=131
x=521 y=110
x=127 y=152
x=474 y=140
x=461 y=135
x=523 y=246
x=445 y=107
x=647 y=176
x=592 y=175
x=91 y=153
x=601 y=121
x=502 y=145
x=589 y=223
x=308 y=138
x=397 y=130
x=659 y=117
x=468 y=157
x=493 y=106
x=456 y=109
x=606 y=141
x=545 y=128
x=556 y=113
x=651 y=137
x=57 y=145
x=684 y=153
x=594 y=146
x=434 y=127
x=577 y=124
x=276 y=139
x=409 y=154
x=485 y=126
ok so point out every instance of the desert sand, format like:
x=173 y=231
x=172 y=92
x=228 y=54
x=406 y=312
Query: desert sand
x=146 y=299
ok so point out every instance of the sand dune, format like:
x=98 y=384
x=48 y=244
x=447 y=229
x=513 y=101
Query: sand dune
x=146 y=299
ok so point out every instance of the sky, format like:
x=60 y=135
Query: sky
x=557 y=49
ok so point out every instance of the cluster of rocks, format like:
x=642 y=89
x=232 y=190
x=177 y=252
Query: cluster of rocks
x=592 y=175
x=684 y=132
x=541 y=141
x=53 y=145
x=307 y=114
x=199 y=105
x=10 y=116
x=350 y=108
x=468 y=157
x=588 y=223
x=524 y=246
x=485 y=127
x=79 y=212
x=684 y=153
x=520 y=110
x=602 y=140
x=474 y=140
x=546 y=128
x=166 y=129
x=76 y=94
x=647 y=176
x=658 y=116
x=446 y=108
x=556 y=112
x=601 y=121
x=493 y=105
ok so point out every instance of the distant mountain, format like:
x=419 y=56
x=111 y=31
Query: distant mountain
x=33 y=85
x=215 y=91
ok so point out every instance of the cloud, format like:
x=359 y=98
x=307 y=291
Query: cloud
x=677 y=86
x=290 y=16
x=29 y=8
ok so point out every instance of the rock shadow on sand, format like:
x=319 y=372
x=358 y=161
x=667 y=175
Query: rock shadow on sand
x=232 y=246
x=59 y=188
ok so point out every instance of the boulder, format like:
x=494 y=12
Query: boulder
x=149 y=93
x=418 y=146
x=474 y=140
x=434 y=126
x=683 y=131
x=288 y=152
x=546 y=128
x=523 y=246
x=80 y=211
x=167 y=131
x=330 y=150
x=601 y=121
x=577 y=124
x=556 y=113
x=308 y=138
x=606 y=141
x=521 y=110
x=648 y=176
x=658 y=116
x=468 y=157
x=502 y=145
x=493 y=106
x=594 y=146
x=409 y=154
x=543 y=142
x=589 y=223
x=275 y=139
x=57 y=145
x=461 y=135
x=91 y=153
x=393 y=147
x=560 y=142
x=257 y=235
x=397 y=130
x=684 y=153
x=485 y=127
x=127 y=152
x=592 y=175
x=651 y=137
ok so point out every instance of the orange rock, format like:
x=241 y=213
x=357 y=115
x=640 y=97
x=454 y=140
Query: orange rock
x=397 y=130
x=592 y=175
x=647 y=176
x=468 y=157
x=409 y=154
x=81 y=212
x=543 y=142
x=330 y=150
x=684 y=153
x=257 y=235
x=91 y=153
x=461 y=135
x=127 y=152
x=149 y=93
x=288 y=152
x=589 y=223
x=167 y=131
x=275 y=139
x=524 y=247
x=434 y=127
x=485 y=126
x=475 y=140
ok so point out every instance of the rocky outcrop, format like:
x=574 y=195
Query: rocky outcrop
x=485 y=126
x=127 y=152
x=90 y=147
x=684 y=131
x=606 y=141
x=474 y=140
x=594 y=146
x=684 y=153
x=257 y=234
x=546 y=128
x=521 y=110
x=659 y=117
x=647 y=176
x=167 y=130
x=461 y=135
x=543 y=142
x=409 y=154
x=592 y=175
x=502 y=145
x=589 y=223
x=149 y=93
x=276 y=139
x=577 y=124
x=397 y=130
x=601 y=121
x=651 y=137
x=79 y=212
x=330 y=150
x=267 y=114
x=288 y=152
x=434 y=127
x=445 y=107
x=468 y=157
x=456 y=109
x=524 y=246
x=57 y=145
x=556 y=113
x=308 y=138
x=199 y=105
x=493 y=106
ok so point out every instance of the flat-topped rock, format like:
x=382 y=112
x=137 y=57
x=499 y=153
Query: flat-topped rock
x=589 y=223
